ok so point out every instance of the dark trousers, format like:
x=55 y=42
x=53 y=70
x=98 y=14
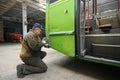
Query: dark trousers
x=34 y=64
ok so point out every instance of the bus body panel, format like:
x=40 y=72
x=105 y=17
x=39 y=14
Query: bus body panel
x=60 y=26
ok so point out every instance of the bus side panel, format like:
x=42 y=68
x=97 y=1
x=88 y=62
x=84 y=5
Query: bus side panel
x=60 y=26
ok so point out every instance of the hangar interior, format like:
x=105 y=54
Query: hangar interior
x=12 y=13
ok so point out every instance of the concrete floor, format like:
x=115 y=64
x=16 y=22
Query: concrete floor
x=60 y=67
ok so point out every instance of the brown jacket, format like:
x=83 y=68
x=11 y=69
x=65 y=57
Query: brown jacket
x=30 y=44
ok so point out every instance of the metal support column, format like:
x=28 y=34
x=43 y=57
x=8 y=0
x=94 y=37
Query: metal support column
x=24 y=18
x=82 y=27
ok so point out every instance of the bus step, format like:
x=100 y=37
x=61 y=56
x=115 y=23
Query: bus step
x=106 y=51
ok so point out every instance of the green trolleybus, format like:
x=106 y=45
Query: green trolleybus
x=86 y=29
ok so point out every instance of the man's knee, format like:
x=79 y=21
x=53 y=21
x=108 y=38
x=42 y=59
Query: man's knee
x=44 y=68
x=42 y=54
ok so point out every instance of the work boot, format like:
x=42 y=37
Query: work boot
x=20 y=71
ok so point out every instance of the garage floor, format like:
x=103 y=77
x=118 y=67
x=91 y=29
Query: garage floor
x=60 y=67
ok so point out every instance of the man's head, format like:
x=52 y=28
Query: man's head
x=37 y=28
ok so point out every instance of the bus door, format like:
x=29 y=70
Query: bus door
x=60 y=25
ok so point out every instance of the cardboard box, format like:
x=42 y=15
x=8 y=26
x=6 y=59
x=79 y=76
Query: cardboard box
x=113 y=21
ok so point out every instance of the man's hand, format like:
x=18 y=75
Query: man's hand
x=47 y=45
x=45 y=41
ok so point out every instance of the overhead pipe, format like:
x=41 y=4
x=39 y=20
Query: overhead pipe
x=118 y=5
x=88 y=21
x=95 y=6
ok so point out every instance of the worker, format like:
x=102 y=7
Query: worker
x=31 y=53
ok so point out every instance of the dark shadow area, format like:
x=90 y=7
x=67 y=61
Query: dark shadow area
x=95 y=70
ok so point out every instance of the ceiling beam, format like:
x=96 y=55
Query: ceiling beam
x=8 y=5
x=13 y=19
x=35 y=5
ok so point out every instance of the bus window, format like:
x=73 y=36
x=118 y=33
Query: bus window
x=52 y=1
